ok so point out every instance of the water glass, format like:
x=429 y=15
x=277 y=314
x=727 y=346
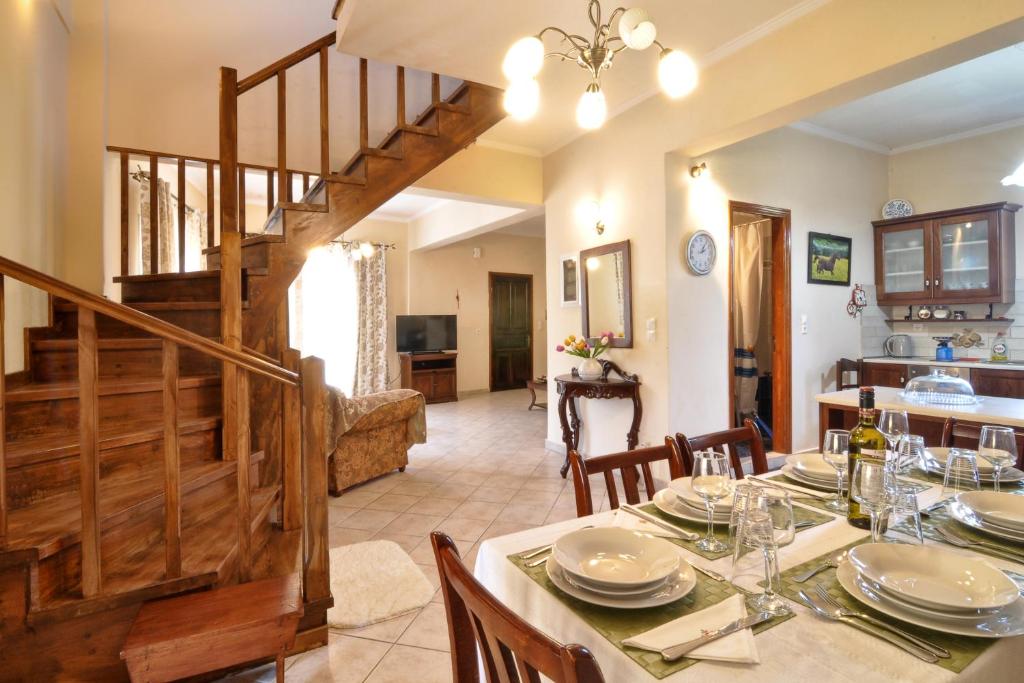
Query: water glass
x=961 y=472
x=892 y=424
x=905 y=509
x=712 y=481
x=743 y=493
x=835 y=450
x=870 y=485
x=998 y=445
x=910 y=452
x=767 y=525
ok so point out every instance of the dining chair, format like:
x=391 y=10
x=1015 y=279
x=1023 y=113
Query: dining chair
x=844 y=365
x=510 y=649
x=626 y=463
x=967 y=435
x=734 y=442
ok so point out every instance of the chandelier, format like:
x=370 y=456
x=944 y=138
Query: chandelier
x=677 y=72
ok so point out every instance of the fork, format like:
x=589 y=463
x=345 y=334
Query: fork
x=830 y=563
x=953 y=538
x=844 y=611
x=896 y=640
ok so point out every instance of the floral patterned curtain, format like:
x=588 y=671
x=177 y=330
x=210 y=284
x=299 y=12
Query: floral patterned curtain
x=372 y=345
x=167 y=215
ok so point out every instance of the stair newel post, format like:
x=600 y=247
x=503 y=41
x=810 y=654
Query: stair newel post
x=291 y=514
x=364 y=107
x=316 y=581
x=181 y=214
x=3 y=426
x=325 y=142
x=154 y=216
x=172 y=463
x=125 y=239
x=89 y=450
x=282 y=138
x=244 y=500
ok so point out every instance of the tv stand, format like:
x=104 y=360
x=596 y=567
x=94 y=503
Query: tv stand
x=431 y=374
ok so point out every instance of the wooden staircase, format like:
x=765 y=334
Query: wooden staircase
x=146 y=451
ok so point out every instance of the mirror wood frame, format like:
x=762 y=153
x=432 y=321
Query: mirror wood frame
x=626 y=341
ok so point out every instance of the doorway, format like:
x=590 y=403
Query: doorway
x=760 y=337
x=511 y=323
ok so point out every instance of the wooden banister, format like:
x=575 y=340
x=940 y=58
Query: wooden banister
x=211 y=206
x=325 y=143
x=364 y=106
x=282 y=140
x=3 y=426
x=291 y=503
x=316 y=584
x=154 y=217
x=125 y=265
x=144 y=322
x=400 y=94
x=89 y=450
x=172 y=463
x=300 y=55
x=244 y=453
x=181 y=215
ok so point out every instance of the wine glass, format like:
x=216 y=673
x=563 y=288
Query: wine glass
x=712 y=481
x=892 y=424
x=998 y=445
x=869 y=486
x=961 y=472
x=767 y=525
x=835 y=450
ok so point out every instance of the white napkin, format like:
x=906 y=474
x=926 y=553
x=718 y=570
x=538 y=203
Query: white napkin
x=737 y=647
x=624 y=520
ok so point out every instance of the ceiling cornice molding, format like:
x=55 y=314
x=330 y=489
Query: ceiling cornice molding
x=963 y=135
x=738 y=43
x=823 y=132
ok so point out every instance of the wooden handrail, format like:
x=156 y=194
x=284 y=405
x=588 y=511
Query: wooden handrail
x=147 y=323
x=134 y=151
x=300 y=55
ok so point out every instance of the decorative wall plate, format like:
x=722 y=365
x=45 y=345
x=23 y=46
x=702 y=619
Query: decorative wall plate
x=700 y=253
x=897 y=208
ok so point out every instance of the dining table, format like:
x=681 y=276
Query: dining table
x=805 y=647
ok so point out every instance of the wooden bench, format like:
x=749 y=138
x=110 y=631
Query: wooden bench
x=203 y=632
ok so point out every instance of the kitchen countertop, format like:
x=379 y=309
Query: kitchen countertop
x=1002 y=411
x=930 y=360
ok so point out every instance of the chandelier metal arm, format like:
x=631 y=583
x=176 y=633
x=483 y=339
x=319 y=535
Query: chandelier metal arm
x=579 y=42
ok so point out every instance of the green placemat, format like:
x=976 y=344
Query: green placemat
x=808 y=501
x=616 y=625
x=722 y=532
x=941 y=517
x=962 y=649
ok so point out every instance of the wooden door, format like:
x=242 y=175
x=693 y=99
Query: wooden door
x=511 y=330
x=903 y=263
x=966 y=257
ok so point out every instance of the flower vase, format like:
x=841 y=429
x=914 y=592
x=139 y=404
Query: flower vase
x=590 y=369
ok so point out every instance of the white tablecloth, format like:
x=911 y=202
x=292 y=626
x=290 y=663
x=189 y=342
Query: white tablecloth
x=805 y=648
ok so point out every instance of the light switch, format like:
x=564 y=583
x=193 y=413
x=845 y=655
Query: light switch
x=476 y=252
x=803 y=323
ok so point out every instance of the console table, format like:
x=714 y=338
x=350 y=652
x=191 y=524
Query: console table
x=572 y=387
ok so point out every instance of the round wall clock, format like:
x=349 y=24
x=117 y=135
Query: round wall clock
x=701 y=252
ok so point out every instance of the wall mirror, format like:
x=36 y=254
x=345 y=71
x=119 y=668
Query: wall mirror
x=606 y=293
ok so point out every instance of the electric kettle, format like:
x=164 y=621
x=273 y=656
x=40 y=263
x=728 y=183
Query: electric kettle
x=898 y=346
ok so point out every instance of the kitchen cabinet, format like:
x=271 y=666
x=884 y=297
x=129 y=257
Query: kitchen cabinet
x=1000 y=383
x=947 y=257
x=885 y=375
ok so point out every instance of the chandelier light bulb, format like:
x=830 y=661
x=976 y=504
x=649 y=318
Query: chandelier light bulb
x=524 y=59
x=677 y=73
x=592 y=109
x=522 y=98
x=366 y=249
x=636 y=29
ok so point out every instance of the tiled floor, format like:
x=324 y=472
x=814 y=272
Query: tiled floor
x=482 y=473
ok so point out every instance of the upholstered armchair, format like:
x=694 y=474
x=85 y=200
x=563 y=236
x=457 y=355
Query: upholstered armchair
x=371 y=435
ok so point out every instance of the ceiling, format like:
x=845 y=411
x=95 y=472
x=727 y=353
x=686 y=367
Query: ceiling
x=406 y=206
x=468 y=39
x=973 y=96
x=531 y=227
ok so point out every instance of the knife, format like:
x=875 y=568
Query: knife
x=681 y=533
x=675 y=652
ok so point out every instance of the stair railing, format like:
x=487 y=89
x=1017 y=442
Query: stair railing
x=304 y=389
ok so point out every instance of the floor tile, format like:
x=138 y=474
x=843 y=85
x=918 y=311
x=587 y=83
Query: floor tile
x=478 y=510
x=354 y=498
x=429 y=629
x=524 y=512
x=386 y=631
x=405 y=664
x=463 y=529
x=395 y=502
x=435 y=506
x=405 y=541
x=339 y=536
x=368 y=520
x=491 y=494
x=343 y=660
x=408 y=523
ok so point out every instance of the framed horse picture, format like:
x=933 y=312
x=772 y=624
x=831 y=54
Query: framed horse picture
x=828 y=259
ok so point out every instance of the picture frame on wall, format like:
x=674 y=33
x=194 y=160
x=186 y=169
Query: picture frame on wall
x=828 y=259
x=570 y=281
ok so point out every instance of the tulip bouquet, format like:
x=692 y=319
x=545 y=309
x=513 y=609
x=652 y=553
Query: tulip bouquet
x=584 y=349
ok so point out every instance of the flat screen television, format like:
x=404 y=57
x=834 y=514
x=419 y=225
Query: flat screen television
x=426 y=333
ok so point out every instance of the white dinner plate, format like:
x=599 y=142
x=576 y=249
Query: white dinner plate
x=1010 y=475
x=614 y=557
x=678 y=586
x=934 y=577
x=813 y=466
x=1003 y=623
x=683 y=487
x=629 y=591
x=965 y=516
x=790 y=473
x=1001 y=509
x=667 y=501
x=884 y=596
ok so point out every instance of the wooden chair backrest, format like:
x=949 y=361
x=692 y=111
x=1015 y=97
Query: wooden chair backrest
x=626 y=463
x=727 y=441
x=844 y=365
x=512 y=651
x=967 y=435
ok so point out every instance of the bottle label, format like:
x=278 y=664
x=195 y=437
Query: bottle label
x=873 y=453
x=866 y=414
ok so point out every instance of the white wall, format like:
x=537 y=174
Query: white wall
x=829 y=187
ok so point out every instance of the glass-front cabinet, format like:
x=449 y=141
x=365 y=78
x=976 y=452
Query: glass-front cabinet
x=957 y=256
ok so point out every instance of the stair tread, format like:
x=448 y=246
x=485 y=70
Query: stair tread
x=107 y=386
x=54 y=523
x=191 y=275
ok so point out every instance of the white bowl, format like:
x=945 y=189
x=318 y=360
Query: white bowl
x=934 y=577
x=616 y=557
x=1002 y=509
x=683 y=487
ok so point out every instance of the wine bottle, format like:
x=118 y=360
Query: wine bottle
x=866 y=442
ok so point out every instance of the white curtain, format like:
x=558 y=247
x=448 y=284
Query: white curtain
x=747 y=286
x=324 y=316
x=372 y=354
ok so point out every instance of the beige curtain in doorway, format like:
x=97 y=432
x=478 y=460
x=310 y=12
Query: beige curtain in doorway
x=747 y=286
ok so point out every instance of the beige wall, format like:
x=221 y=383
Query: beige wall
x=34 y=48
x=437 y=276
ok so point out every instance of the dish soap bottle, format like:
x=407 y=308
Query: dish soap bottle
x=999 y=347
x=866 y=443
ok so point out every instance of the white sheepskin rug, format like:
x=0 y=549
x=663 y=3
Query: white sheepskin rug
x=374 y=581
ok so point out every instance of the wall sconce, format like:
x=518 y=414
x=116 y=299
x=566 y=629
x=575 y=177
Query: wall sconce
x=698 y=171
x=594 y=215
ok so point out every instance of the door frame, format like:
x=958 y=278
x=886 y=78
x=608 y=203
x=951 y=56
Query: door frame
x=490 y=322
x=782 y=313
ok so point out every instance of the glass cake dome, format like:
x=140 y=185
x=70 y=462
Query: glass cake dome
x=941 y=389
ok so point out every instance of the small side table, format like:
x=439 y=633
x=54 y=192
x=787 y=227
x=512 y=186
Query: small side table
x=572 y=387
x=534 y=386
